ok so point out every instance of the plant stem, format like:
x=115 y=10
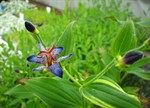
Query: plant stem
x=101 y=73
x=39 y=38
x=140 y=47
x=72 y=78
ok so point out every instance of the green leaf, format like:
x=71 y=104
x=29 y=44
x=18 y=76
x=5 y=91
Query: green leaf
x=135 y=69
x=108 y=95
x=139 y=72
x=56 y=93
x=125 y=40
x=144 y=22
x=66 y=40
x=20 y=92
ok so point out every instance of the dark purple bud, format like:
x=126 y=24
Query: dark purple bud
x=132 y=57
x=30 y=27
x=17 y=71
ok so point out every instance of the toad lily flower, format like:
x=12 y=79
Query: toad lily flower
x=48 y=59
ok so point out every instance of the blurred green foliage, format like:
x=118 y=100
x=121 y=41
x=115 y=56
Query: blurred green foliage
x=93 y=33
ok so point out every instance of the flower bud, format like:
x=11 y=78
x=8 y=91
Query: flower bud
x=129 y=58
x=132 y=56
x=17 y=71
x=30 y=27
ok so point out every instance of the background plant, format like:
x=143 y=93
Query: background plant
x=93 y=34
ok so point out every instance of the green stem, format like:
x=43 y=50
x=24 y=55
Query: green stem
x=124 y=76
x=101 y=73
x=39 y=38
x=35 y=37
x=72 y=78
x=140 y=47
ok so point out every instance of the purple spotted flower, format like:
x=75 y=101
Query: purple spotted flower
x=48 y=59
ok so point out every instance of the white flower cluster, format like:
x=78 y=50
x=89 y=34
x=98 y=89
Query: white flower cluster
x=9 y=21
x=5 y=51
x=16 y=6
x=3 y=45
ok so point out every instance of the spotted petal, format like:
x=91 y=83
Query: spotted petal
x=57 y=51
x=34 y=59
x=39 y=68
x=64 y=57
x=56 y=69
x=41 y=46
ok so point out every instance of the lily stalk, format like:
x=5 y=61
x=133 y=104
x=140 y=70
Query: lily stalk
x=72 y=78
x=145 y=46
x=101 y=73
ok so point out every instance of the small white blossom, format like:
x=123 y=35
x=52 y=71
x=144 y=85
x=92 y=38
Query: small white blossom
x=4 y=44
x=19 y=53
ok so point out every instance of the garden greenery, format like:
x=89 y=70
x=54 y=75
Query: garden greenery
x=102 y=46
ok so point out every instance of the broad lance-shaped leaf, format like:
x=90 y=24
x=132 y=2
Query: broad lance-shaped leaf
x=125 y=40
x=136 y=70
x=108 y=95
x=20 y=92
x=56 y=93
x=139 y=72
x=66 y=40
